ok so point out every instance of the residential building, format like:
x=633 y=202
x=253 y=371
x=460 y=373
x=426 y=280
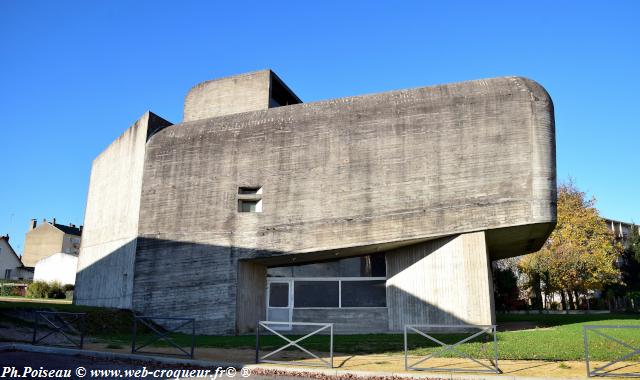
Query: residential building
x=11 y=267
x=48 y=238
x=621 y=230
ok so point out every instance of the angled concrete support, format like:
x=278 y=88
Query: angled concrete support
x=442 y=281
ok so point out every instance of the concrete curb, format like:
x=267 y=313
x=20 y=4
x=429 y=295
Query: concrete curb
x=275 y=369
x=402 y=375
x=417 y=375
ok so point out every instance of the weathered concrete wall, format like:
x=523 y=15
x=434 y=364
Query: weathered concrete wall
x=346 y=320
x=105 y=265
x=250 y=307
x=390 y=167
x=185 y=279
x=59 y=267
x=41 y=242
x=443 y=281
x=226 y=96
x=361 y=171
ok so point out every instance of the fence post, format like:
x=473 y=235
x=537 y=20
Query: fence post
x=331 y=345
x=193 y=336
x=495 y=343
x=406 y=365
x=83 y=324
x=257 y=341
x=35 y=326
x=586 y=349
x=133 y=339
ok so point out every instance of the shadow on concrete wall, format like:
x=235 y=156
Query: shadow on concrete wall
x=107 y=282
x=195 y=280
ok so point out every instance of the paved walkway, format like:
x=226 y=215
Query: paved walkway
x=394 y=364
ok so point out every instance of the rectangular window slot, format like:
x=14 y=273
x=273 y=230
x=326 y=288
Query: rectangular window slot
x=249 y=206
x=250 y=199
x=250 y=190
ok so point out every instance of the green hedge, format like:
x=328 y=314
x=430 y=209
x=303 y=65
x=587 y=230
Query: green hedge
x=12 y=290
x=53 y=289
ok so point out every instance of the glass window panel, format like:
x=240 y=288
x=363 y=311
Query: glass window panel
x=315 y=294
x=324 y=269
x=279 y=294
x=378 y=265
x=247 y=206
x=364 y=266
x=280 y=272
x=350 y=267
x=364 y=294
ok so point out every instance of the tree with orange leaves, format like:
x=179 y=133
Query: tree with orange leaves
x=579 y=256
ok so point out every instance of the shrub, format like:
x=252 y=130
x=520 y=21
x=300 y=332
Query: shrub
x=38 y=289
x=68 y=287
x=55 y=291
x=13 y=290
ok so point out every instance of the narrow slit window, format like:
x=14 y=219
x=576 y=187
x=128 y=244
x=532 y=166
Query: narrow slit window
x=250 y=199
x=249 y=206
x=250 y=190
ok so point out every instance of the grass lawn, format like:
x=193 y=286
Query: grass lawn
x=556 y=337
x=559 y=337
x=99 y=320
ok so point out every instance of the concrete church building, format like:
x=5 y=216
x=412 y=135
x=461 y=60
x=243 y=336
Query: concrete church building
x=370 y=211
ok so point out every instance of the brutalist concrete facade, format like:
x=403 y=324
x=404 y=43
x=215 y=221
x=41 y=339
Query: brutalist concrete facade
x=442 y=179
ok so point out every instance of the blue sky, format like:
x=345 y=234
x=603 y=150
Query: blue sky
x=75 y=74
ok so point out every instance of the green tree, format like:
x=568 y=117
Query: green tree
x=633 y=242
x=579 y=255
x=629 y=265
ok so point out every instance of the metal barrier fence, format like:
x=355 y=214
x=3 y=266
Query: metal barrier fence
x=600 y=371
x=62 y=323
x=483 y=329
x=294 y=343
x=162 y=335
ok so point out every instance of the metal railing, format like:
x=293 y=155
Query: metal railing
x=483 y=329
x=294 y=343
x=60 y=323
x=162 y=334
x=600 y=371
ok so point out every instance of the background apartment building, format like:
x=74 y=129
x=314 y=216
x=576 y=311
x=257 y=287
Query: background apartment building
x=50 y=238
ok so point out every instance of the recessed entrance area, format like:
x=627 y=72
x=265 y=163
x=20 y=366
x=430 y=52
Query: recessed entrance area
x=332 y=286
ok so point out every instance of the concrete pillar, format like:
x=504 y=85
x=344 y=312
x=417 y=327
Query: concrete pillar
x=250 y=302
x=442 y=281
